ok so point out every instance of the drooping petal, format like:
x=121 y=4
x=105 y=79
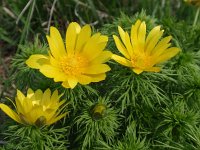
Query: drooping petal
x=71 y=36
x=83 y=37
x=121 y=60
x=169 y=53
x=37 y=60
x=10 y=113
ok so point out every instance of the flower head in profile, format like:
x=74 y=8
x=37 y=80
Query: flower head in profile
x=80 y=60
x=36 y=108
x=193 y=2
x=142 y=53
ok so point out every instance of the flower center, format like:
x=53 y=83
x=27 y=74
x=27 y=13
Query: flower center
x=73 y=64
x=141 y=61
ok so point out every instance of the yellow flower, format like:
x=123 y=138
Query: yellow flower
x=80 y=62
x=141 y=53
x=193 y=2
x=36 y=108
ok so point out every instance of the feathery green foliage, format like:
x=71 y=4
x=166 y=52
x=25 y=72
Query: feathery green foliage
x=97 y=121
x=30 y=137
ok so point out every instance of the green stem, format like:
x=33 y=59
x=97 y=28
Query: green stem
x=196 y=17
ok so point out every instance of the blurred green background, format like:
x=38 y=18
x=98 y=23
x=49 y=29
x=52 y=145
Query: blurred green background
x=22 y=20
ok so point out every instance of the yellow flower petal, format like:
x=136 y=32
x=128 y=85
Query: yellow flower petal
x=94 y=46
x=66 y=84
x=126 y=40
x=92 y=43
x=10 y=113
x=103 y=39
x=103 y=57
x=30 y=93
x=128 y=44
x=55 y=96
x=169 y=53
x=56 y=43
x=161 y=46
x=122 y=34
x=71 y=36
x=83 y=37
x=72 y=81
x=19 y=106
x=50 y=71
x=152 y=43
x=55 y=119
x=46 y=97
x=121 y=47
x=60 y=77
x=152 y=33
x=34 y=114
x=142 y=36
x=121 y=60
x=134 y=34
x=54 y=62
x=38 y=94
x=20 y=101
x=98 y=77
x=84 y=79
x=27 y=105
x=36 y=61
x=137 y=70
x=20 y=96
x=96 y=69
x=153 y=69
